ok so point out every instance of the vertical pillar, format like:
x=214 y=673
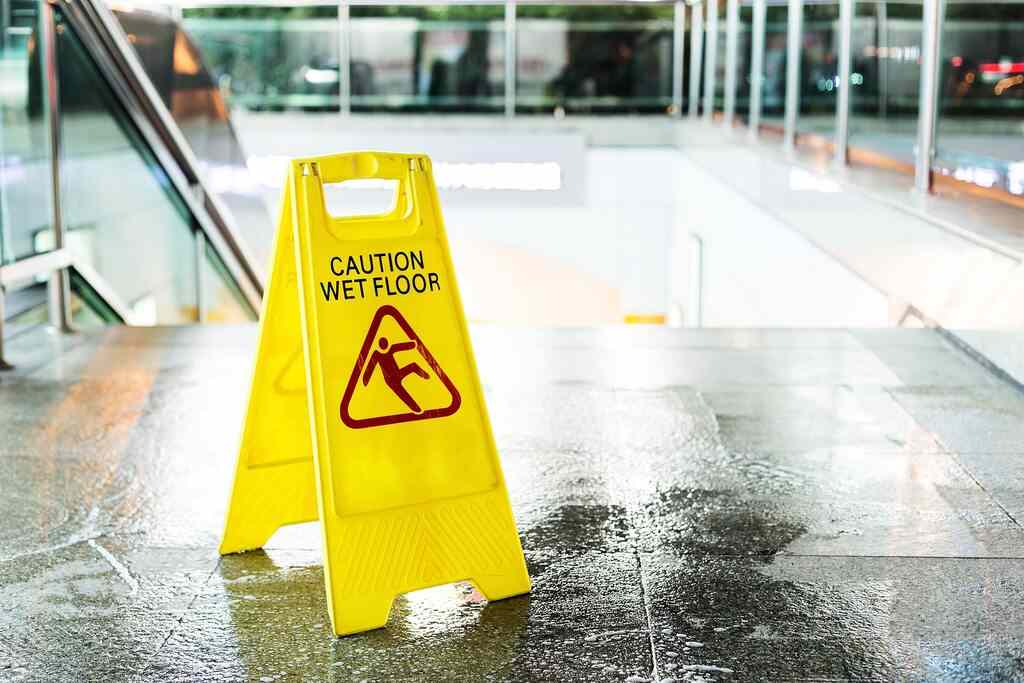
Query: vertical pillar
x=59 y=286
x=842 y=136
x=732 y=41
x=510 y=58
x=695 y=288
x=794 y=49
x=678 y=43
x=200 y=258
x=928 y=93
x=4 y=365
x=756 y=67
x=696 y=56
x=344 y=58
x=711 y=59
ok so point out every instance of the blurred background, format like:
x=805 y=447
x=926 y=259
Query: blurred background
x=736 y=163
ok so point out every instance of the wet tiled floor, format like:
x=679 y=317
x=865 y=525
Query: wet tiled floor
x=694 y=505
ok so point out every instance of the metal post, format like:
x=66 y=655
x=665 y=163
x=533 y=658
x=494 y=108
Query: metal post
x=710 y=62
x=59 y=286
x=928 y=97
x=344 y=58
x=696 y=55
x=678 y=40
x=510 y=58
x=842 y=138
x=756 y=67
x=794 y=37
x=695 y=288
x=732 y=40
x=200 y=258
x=4 y=365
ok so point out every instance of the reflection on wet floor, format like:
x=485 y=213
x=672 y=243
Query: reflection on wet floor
x=694 y=505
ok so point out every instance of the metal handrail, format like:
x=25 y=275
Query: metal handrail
x=102 y=36
x=101 y=33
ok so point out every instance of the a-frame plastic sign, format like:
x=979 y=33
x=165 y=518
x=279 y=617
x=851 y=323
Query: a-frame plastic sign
x=366 y=409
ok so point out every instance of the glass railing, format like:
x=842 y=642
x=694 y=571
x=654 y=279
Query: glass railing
x=26 y=202
x=271 y=58
x=721 y=46
x=591 y=58
x=980 y=137
x=818 y=80
x=133 y=229
x=432 y=58
x=174 y=66
x=449 y=58
x=135 y=239
x=773 y=80
x=886 y=74
x=617 y=57
x=744 y=43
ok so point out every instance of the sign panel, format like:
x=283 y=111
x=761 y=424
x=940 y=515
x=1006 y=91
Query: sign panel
x=366 y=392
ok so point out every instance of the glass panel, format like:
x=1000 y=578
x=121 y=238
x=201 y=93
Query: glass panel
x=885 y=79
x=443 y=58
x=25 y=307
x=818 y=69
x=88 y=308
x=720 y=51
x=587 y=58
x=28 y=308
x=178 y=73
x=121 y=214
x=223 y=301
x=271 y=57
x=743 y=39
x=695 y=15
x=26 y=204
x=980 y=131
x=773 y=88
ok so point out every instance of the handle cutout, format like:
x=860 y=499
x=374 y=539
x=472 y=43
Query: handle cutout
x=361 y=198
x=342 y=206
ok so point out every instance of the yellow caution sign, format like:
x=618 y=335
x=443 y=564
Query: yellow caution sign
x=365 y=409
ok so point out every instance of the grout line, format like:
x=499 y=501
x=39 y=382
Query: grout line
x=1008 y=558
x=119 y=567
x=955 y=457
x=644 y=595
x=181 y=617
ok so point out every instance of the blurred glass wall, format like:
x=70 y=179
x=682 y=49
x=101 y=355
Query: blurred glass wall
x=886 y=65
x=981 y=111
x=439 y=58
x=271 y=58
x=773 y=85
x=446 y=58
x=818 y=67
x=68 y=131
x=26 y=202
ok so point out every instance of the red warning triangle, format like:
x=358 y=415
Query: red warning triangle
x=377 y=356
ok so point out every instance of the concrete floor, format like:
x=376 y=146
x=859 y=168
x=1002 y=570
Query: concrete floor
x=694 y=505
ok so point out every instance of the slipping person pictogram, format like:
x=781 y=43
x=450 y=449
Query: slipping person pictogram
x=394 y=376
x=379 y=353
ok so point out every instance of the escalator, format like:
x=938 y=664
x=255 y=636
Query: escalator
x=112 y=130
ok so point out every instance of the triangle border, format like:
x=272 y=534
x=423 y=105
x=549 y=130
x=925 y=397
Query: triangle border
x=350 y=388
